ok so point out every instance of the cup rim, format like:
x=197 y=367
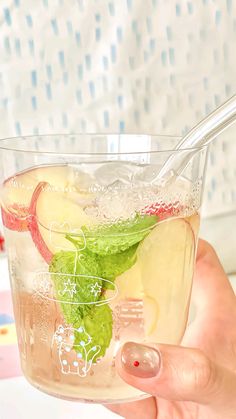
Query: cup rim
x=91 y=153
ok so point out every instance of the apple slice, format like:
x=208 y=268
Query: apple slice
x=129 y=284
x=166 y=259
x=163 y=210
x=2 y=243
x=150 y=314
x=13 y=222
x=34 y=227
x=194 y=221
x=53 y=215
x=17 y=191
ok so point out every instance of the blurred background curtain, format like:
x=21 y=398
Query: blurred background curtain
x=153 y=66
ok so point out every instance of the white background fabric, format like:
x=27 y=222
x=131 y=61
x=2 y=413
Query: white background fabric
x=157 y=66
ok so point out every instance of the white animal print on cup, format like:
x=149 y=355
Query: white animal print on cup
x=74 y=359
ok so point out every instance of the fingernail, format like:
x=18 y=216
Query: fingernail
x=140 y=360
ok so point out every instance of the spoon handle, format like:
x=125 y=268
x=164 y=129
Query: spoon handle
x=202 y=134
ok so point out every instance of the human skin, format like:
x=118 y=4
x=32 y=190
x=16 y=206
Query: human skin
x=196 y=380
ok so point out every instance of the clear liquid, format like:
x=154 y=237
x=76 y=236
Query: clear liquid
x=137 y=316
x=151 y=298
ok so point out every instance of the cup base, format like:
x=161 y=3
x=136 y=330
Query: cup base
x=93 y=400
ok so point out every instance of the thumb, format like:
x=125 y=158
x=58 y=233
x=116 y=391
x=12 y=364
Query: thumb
x=176 y=373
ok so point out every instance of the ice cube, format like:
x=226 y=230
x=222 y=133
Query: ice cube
x=109 y=173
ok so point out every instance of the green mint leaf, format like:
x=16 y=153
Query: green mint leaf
x=80 y=277
x=112 y=266
x=77 y=282
x=118 y=237
x=94 y=333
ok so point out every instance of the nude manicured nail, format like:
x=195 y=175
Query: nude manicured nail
x=140 y=360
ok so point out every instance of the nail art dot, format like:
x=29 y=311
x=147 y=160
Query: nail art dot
x=136 y=363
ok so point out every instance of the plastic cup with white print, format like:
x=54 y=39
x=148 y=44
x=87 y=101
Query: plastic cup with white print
x=100 y=252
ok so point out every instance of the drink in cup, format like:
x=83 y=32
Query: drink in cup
x=100 y=252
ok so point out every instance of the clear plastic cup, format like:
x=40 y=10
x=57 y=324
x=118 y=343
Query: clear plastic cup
x=101 y=251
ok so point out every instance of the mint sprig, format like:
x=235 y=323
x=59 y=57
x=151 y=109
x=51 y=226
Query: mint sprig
x=98 y=325
x=77 y=283
x=115 y=238
x=114 y=265
x=110 y=250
